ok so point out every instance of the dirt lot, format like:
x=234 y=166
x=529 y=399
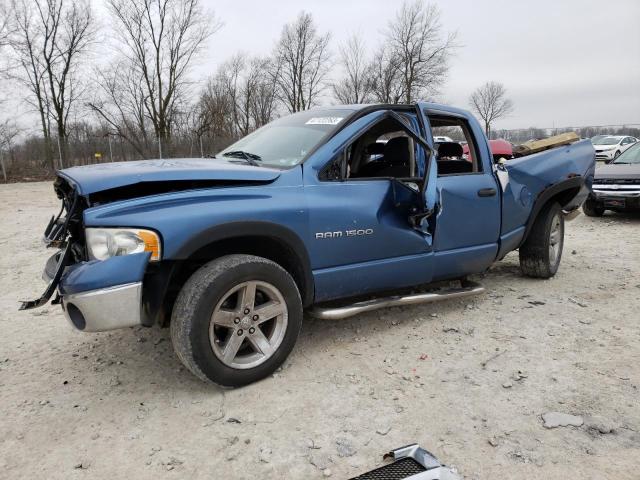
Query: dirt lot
x=468 y=380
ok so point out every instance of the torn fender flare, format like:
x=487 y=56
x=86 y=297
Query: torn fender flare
x=97 y=274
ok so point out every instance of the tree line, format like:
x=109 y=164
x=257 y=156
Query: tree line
x=145 y=103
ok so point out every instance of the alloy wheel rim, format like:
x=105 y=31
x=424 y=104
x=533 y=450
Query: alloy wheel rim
x=555 y=240
x=248 y=324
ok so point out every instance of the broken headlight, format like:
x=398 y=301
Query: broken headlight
x=103 y=243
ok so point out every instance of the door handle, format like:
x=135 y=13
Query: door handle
x=486 y=192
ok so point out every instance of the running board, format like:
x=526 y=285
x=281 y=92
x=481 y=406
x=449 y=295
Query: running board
x=467 y=289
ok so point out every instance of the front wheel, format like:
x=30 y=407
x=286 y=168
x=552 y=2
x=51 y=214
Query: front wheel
x=541 y=252
x=592 y=209
x=236 y=320
x=616 y=155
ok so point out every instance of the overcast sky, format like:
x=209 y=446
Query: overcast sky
x=564 y=63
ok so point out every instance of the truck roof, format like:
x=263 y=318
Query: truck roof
x=438 y=107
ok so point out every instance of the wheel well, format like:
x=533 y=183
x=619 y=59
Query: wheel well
x=262 y=246
x=562 y=194
x=564 y=197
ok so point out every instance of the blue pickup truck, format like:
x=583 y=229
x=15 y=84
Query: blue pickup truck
x=335 y=210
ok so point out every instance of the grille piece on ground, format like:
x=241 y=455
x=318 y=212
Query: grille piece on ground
x=410 y=462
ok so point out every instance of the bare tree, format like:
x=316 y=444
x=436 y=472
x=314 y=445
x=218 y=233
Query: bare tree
x=420 y=48
x=250 y=87
x=263 y=107
x=386 y=86
x=31 y=74
x=490 y=102
x=49 y=41
x=159 y=40
x=119 y=103
x=356 y=84
x=302 y=56
x=5 y=27
x=8 y=132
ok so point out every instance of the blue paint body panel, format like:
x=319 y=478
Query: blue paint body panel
x=96 y=274
x=360 y=278
x=465 y=234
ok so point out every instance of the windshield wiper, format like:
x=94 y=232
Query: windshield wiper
x=251 y=158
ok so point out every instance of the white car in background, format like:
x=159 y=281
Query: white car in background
x=610 y=147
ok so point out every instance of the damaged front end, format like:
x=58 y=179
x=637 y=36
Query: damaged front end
x=64 y=232
x=95 y=294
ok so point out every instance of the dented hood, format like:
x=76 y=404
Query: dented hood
x=106 y=176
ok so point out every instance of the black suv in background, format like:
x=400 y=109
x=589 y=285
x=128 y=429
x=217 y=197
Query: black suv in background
x=616 y=186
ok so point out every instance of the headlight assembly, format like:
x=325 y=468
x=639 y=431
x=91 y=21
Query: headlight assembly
x=103 y=243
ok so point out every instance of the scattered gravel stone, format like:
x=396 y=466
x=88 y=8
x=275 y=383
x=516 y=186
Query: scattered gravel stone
x=383 y=430
x=507 y=385
x=578 y=302
x=493 y=441
x=599 y=426
x=345 y=448
x=559 y=419
x=326 y=472
x=265 y=454
x=518 y=376
x=319 y=460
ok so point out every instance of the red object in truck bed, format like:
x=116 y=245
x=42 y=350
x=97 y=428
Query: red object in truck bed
x=500 y=148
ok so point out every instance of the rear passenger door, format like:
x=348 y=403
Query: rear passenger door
x=467 y=223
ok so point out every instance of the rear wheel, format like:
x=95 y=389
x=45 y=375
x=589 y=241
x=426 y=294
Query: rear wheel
x=236 y=320
x=541 y=252
x=592 y=209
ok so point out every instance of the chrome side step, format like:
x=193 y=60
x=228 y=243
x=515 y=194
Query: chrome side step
x=467 y=289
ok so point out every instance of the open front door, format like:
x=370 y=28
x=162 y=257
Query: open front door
x=420 y=219
x=369 y=200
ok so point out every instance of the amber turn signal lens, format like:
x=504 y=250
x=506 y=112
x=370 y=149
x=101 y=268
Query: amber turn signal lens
x=151 y=243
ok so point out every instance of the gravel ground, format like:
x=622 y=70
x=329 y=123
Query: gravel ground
x=470 y=380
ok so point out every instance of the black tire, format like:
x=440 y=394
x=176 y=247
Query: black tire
x=201 y=296
x=616 y=155
x=536 y=258
x=592 y=209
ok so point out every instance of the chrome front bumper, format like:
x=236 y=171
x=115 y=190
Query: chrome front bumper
x=626 y=191
x=104 y=309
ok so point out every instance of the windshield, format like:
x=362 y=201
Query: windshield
x=285 y=142
x=630 y=156
x=607 y=141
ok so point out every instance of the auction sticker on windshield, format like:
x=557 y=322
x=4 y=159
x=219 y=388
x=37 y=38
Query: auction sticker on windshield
x=324 y=120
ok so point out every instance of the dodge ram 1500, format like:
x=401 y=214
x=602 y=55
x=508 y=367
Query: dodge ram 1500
x=335 y=210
